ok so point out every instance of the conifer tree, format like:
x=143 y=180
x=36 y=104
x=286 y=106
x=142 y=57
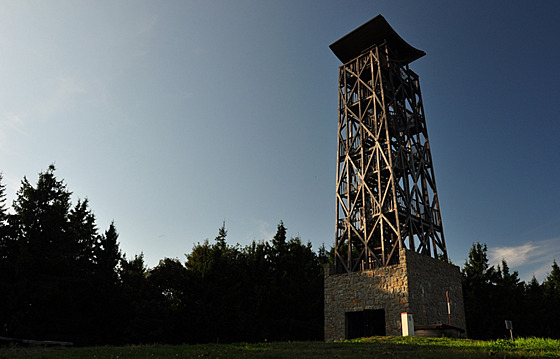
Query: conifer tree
x=107 y=255
x=551 y=291
x=53 y=262
x=221 y=238
x=506 y=298
x=478 y=278
x=3 y=210
x=7 y=254
x=552 y=282
x=45 y=259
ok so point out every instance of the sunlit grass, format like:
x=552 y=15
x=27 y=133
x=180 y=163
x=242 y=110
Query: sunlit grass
x=522 y=347
x=375 y=347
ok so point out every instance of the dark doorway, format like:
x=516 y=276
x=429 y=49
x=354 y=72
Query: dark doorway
x=366 y=323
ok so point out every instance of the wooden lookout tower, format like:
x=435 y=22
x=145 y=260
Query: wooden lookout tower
x=388 y=218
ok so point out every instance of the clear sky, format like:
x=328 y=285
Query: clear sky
x=174 y=116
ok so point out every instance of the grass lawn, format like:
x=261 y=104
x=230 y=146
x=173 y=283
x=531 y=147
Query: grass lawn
x=375 y=347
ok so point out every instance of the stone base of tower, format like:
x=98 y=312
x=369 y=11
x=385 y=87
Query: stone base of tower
x=370 y=302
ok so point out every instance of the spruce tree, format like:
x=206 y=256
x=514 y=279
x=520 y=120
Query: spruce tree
x=551 y=288
x=478 y=278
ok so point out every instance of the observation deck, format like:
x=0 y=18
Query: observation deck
x=373 y=33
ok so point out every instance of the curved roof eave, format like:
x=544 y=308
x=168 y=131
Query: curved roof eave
x=374 y=32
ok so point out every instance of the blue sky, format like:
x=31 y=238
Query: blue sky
x=174 y=116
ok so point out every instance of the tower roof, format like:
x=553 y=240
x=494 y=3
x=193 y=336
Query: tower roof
x=374 y=32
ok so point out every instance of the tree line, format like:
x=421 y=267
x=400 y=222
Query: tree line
x=495 y=294
x=61 y=278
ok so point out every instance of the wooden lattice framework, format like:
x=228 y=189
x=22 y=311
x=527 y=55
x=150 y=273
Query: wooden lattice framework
x=386 y=196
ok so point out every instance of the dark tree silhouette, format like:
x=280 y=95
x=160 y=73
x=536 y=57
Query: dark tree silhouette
x=478 y=278
x=59 y=287
x=551 y=294
x=492 y=296
x=62 y=280
x=7 y=265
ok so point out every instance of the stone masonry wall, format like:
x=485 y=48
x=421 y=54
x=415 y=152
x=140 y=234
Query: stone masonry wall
x=416 y=285
x=381 y=288
x=428 y=280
